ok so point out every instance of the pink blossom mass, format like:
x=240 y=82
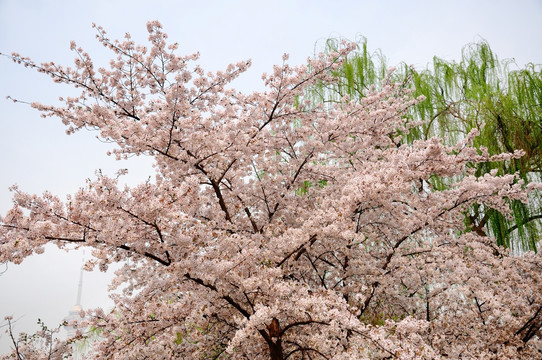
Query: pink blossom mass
x=276 y=228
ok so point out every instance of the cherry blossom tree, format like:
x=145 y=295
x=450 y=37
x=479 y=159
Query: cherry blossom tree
x=276 y=228
x=43 y=344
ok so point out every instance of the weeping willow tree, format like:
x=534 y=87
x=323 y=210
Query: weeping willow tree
x=478 y=92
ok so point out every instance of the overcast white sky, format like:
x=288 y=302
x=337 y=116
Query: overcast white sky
x=37 y=155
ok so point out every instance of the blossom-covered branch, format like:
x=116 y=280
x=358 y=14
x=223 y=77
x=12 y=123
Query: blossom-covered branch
x=275 y=227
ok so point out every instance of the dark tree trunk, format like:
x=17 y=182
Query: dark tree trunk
x=274 y=332
x=275 y=350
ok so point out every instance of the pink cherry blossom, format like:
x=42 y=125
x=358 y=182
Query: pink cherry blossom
x=276 y=228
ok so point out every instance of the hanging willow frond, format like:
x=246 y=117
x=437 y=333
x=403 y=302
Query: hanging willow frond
x=501 y=100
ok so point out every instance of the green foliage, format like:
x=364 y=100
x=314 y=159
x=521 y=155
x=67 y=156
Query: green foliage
x=304 y=188
x=500 y=100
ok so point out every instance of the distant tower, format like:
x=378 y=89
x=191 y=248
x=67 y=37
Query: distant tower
x=74 y=317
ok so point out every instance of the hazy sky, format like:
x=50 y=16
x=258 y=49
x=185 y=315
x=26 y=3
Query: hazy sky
x=37 y=155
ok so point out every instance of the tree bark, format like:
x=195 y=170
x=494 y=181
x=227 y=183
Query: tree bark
x=275 y=350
